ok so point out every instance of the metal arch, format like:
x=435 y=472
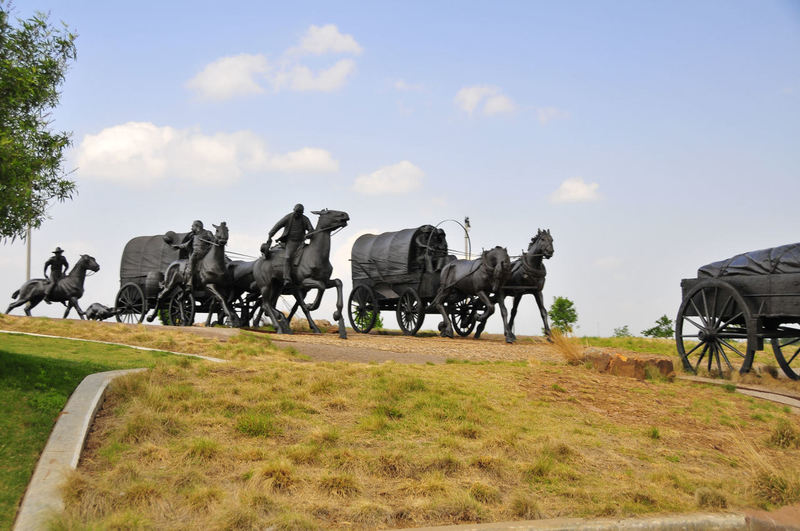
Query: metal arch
x=466 y=232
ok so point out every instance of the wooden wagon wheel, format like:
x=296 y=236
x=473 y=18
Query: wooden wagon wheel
x=715 y=325
x=362 y=309
x=464 y=315
x=410 y=312
x=180 y=309
x=130 y=304
x=787 y=353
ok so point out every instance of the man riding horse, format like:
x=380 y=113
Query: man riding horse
x=295 y=227
x=58 y=267
x=197 y=243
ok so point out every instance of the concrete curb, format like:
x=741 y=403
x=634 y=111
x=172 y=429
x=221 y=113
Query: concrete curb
x=207 y=358
x=688 y=522
x=42 y=498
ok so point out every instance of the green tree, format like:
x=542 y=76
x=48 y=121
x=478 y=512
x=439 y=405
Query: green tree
x=663 y=328
x=622 y=331
x=563 y=314
x=33 y=60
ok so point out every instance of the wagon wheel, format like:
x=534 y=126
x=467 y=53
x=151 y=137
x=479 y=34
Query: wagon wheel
x=464 y=315
x=410 y=312
x=180 y=309
x=714 y=325
x=362 y=309
x=130 y=304
x=787 y=353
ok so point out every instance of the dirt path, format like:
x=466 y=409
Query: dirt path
x=407 y=349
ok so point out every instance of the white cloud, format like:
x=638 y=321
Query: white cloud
x=396 y=179
x=228 y=77
x=319 y=40
x=468 y=99
x=547 y=114
x=498 y=104
x=300 y=78
x=142 y=153
x=403 y=86
x=247 y=74
x=575 y=190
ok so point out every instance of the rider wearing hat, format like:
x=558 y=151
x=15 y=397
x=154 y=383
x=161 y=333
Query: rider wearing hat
x=295 y=228
x=58 y=266
x=197 y=242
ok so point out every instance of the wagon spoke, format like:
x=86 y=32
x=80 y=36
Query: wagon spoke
x=727 y=361
x=736 y=350
x=709 y=316
x=713 y=315
x=718 y=354
x=796 y=352
x=792 y=342
x=723 y=326
x=702 y=354
x=699 y=313
x=697 y=346
x=724 y=308
x=695 y=324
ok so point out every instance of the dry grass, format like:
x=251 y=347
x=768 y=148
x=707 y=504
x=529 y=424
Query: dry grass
x=569 y=347
x=304 y=446
x=238 y=346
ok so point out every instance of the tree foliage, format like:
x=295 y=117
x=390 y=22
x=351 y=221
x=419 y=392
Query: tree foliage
x=563 y=314
x=622 y=331
x=663 y=328
x=33 y=61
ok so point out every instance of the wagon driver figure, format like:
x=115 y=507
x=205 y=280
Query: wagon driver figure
x=58 y=266
x=295 y=227
x=197 y=243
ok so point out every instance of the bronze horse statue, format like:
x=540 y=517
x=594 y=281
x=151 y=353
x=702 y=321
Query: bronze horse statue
x=67 y=291
x=479 y=277
x=528 y=275
x=313 y=271
x=212 y=275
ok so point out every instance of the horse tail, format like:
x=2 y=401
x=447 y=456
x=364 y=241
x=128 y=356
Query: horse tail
x=15 y=294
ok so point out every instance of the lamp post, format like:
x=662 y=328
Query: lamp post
x=28 y=254
x=467 y=226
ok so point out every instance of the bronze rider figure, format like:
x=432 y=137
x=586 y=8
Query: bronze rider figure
x=197 y=243
x=295 y=227
x=58 y=266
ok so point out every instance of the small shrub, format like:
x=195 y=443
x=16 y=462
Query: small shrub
x=460 y=508
x=257 y=425
x=540 y=468
x=774 y=488
x=484 y=493
x=203 y=449
x=371 y=515
x=568 y=347
x=707 y=498
x=281 y=475
x=524 y=506
x=342 y=485
x=653 y=433
x=293 y=522
x=785 y=435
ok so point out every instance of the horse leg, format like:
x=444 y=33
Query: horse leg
x=314 y=305
x=485 y=317
x=438 y=301
x=337 y=315
x=211 y=309
x=69 y=308
x=16 y=305
x=501 y=301
x=543 y=311
x=232 y=317
x=298 y=296
x=515 y=305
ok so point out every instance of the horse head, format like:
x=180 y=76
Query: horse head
x=89 y=263
x=331 y=219
x=498 y=261
x=221 y=233
x=541 y=244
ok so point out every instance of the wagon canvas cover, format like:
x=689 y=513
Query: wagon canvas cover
x=378 y=256
x=783 y=259
x=147 y=253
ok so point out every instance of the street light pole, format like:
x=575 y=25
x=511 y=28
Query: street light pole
x=28 y=254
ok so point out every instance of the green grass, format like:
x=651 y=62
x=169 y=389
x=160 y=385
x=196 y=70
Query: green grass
x=37 y=376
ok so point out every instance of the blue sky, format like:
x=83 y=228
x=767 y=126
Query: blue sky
x=650 y=137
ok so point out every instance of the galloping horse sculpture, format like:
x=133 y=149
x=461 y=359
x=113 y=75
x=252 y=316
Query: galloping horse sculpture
x=68 y=290
x=212 y=275
x=478 y=277
x=313 y=271
x=528 y=275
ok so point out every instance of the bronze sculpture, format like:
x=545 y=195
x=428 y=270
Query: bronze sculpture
x=295 y=227
x=58 y=267
x=313 y=271
x=481 y=277
x=67 y=290
x=196 y=243
x=99 y=312
x=528 y=275
x=212 y=270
